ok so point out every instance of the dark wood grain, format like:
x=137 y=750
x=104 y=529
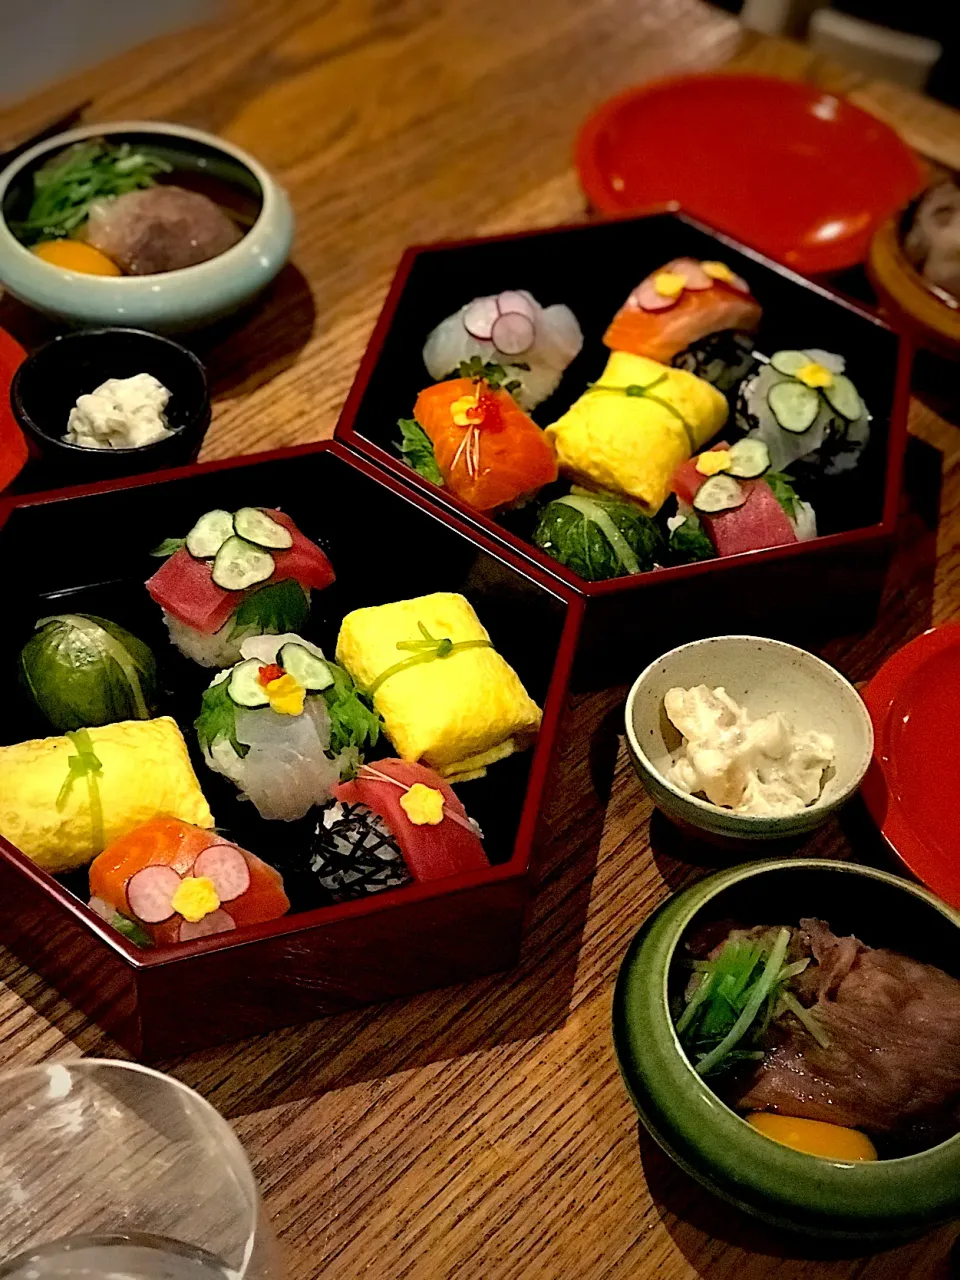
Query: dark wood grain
x=481 y=1132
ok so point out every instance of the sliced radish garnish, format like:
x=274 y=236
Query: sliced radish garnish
x=513 y=334
x=646 y=297
x=226 y=866
x=480 y=317
x=101 y=908
x=693 y=274
x=516 y=300
x=215 y=922
x=150 y=894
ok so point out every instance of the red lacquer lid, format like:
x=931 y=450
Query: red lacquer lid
x=912 y=788
x=13 y=446
x=792 y=170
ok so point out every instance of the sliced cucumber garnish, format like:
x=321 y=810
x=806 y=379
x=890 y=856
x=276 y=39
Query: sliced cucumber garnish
x=209 y=534
x=309 y=671
x=749 y=459
x=239 y=564
x=794 y=406
x=789 y=361
x=719 y=493
x=245 y=688
x=845 y=398
x=257 y=527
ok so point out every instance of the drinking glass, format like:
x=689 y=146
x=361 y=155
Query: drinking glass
x=111 y=1169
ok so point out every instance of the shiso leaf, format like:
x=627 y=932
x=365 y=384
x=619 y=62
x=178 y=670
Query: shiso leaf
x=690 y=542
x=274 y=609
x=417 y=450
x=352 y=722
x=783 y=491
x=168 y=547
x=218 y=719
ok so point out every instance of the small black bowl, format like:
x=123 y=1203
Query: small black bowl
x=46 y=386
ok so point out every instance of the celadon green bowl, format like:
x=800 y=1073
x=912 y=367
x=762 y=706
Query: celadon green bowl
x=171 y=301
x=871 y=1203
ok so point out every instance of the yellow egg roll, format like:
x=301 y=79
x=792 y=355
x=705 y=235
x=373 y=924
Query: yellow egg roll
x=632 y=444
x=457 y=711
x=48 y=806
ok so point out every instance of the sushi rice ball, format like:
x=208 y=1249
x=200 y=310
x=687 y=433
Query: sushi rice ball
x=533 y=344
x=807 y=412
x=285 y=725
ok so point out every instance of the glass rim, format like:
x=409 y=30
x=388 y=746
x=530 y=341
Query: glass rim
x=245 y=1172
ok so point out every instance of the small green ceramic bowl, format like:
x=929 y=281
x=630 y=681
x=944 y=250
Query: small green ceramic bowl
x=762 y=675
x=171 y=301
x=869 y=1203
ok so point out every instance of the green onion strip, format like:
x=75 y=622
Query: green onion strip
x=85 y=764
x=426 y=650
x=771 y=972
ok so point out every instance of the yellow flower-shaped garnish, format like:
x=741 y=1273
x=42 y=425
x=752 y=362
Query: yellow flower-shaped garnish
x=718 y=271
x=669 y=284
x=195 y=898
x=814 y=375
x=285 y=696
x=713 y=462
x=423 y=805
x=464 y=410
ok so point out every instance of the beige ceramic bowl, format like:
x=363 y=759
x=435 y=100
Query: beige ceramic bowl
x=762 y=676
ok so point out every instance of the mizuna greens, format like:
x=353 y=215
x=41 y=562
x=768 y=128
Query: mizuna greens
x=734 y=997
x=598 y=536
x=66 y=186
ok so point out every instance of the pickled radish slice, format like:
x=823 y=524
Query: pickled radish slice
x=512 y=300
x=693 y=274
x=150 y=894
x=480 y=317
x=215 y=922
x=513 y=334
x=226 y=866
x=647 y=298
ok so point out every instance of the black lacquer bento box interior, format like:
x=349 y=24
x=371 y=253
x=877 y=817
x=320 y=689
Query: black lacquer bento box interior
x=88 y=551
x=592 y=268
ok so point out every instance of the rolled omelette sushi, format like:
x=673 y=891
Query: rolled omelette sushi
x=630 y=432
x=460 y=706
x=132 y=771
x=679 y=304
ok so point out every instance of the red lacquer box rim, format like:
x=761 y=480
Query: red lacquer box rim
x=918 y=856
x=520 y=863
x=346 y=433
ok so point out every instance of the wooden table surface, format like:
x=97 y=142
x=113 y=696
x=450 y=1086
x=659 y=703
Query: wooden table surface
x=478 y=1132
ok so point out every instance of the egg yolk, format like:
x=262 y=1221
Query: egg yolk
x=75 y=255
x=814 y=1137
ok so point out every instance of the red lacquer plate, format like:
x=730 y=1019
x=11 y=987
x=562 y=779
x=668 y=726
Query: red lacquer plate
x=13 y=446
x=801 y=174
x=912 y=788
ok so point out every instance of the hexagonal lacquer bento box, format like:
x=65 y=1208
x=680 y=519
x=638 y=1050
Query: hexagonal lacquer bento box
x=775 y=588
x=87 y=552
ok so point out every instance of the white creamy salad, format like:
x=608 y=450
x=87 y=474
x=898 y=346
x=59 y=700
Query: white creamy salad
x=750 y=765
x=122 y=413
